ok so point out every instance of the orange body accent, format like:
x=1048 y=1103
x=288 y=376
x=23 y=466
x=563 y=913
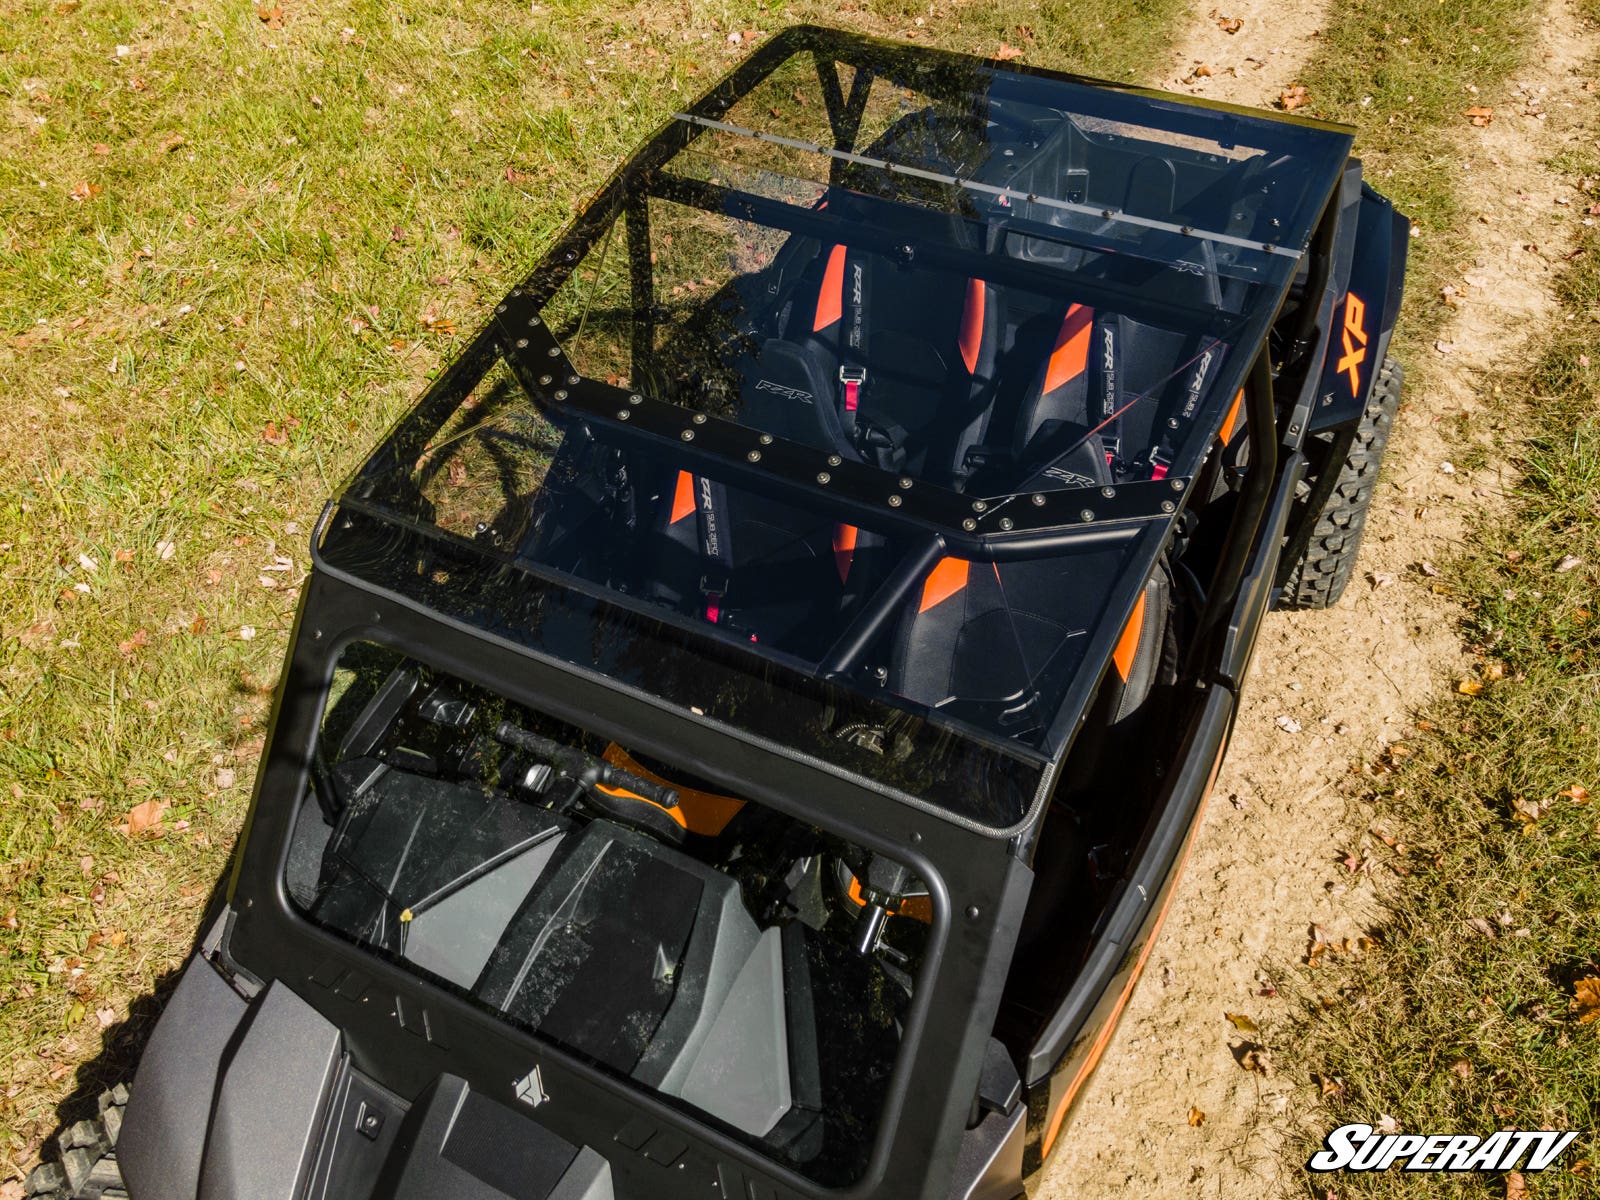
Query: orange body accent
x=971 y=339
x=1230 y=423
x=1104 y=1037
x=830 y=301
x=918 y=908
x=699 y=812
x=683 y=497
x=948 y=577
x=1071 y=354
x=1354 y=341
x=844 y=548
x=1128 y=643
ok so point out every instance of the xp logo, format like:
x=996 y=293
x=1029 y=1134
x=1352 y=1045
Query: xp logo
x=1354 y=341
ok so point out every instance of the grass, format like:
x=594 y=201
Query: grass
x=234 y=245
x=1463 y=1017
x=1402 y=71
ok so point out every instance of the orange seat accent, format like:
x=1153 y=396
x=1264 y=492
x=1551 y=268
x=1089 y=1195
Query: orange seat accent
x=844 y=548
x=1128 y=643
x=1071 y=354
x=683 y=497
x=700 y=812
x=830 y=301
x=1230 y=423
x=948 y=577
x=971 y=339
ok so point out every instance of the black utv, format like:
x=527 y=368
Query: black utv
x=744 y=724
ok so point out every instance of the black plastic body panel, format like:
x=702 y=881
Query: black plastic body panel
x=164 y=1132
x=1363 y=317
x=267 y=1115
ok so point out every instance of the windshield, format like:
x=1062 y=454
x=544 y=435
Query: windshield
x=750 y=967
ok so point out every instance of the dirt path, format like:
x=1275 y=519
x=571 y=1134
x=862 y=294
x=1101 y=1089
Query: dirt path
x=1287 y=809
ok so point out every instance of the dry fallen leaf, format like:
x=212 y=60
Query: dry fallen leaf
x=1530 y=812
x=1229 y=24
x=1470 y=687
x=85 y=191
x=1479 y=116
x=170 y=143
x=1196 y=1117
x=1516 y=1186
x=1242 y=1023
x=144 y=817
x=271 y=17
x=273 y=435
x=1577 y=793
x=1293 y=97
x=1462 y=1068
x=1585 y=1004
x=1256 y=1058
x=1007 y=52
x=1386 y=1124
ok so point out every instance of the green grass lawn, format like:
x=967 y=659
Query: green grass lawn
x=1465 y=1017
x=234 y=244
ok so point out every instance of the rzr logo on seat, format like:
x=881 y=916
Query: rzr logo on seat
x=1354 y=340
x=778 y=389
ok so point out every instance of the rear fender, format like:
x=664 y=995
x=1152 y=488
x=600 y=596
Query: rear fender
x=1363 y=313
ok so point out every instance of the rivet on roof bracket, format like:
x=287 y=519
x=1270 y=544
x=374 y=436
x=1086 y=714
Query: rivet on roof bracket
x=699 y=418
x=533 y=322
x=546 y=380
x=687 y=435
x=1108 y=492
x=823 y=477
x=969 y=524
x=894 y=501
x=766 y=439
x=636 y=399
x=573 y=380
x=499 y=308
x=1005 y=522
x=1172 y=422
x=1038 y=499
x=623 y=414
x=905 y=482
x=554 y=352
x=1168 y=506
x=1177 y=485
x=522 y=343
x=516 y=291
x=980 y=506
x=834 y=460
x=1086 y=515
x=754 y=456
x=560 y=393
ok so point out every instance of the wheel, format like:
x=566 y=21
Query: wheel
x=88 y=1167
x=1316 y=578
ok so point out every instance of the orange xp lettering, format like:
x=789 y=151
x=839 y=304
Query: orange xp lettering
x=1354 y=339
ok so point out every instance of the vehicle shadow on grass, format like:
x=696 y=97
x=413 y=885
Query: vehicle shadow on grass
x=123 y=1043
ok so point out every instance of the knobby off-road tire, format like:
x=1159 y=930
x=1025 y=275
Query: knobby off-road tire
x=1318 y=579
x=88 y=1167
